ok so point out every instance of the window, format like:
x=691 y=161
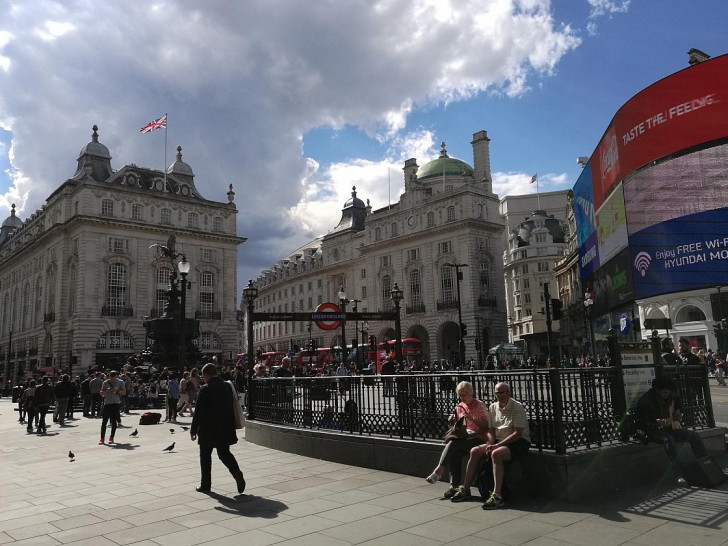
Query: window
x=447 y=284
x=540 y=237
x=524 y=254
x=543 y=266
x=318 y=283
x=163 y=274
x=413 y=255
x=415 y=289
x=518 y=300
x=137 y=212
x=207 y=304
x=430 y=219
x=363 y=292
x=378 y=234
x=395 y=229
x=71 y=291
x=516 y=284
x=484 y=279
x=192 y=220
x=480 y=211
x=450 y=214
x=107 y=207
x=386 y=293
x=208 y=255
x=524 y=269
x=300 y=288
x=448 y=187
x=527 y=297
x=207 y=279
x=218 y=224
x=445 y=247
x=165 y=216
x=541 y=251
x=118 y=246
x=526 y=284
x=528 y=312
x=116 y=288
x=310 y=303
x=160 y=301
x=363 y=273
x=481 y=243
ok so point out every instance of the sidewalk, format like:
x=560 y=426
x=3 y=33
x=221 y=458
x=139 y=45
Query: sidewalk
x=134 y=493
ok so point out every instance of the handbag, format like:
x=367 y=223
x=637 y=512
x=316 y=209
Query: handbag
x=457 y=431
x=239 y=417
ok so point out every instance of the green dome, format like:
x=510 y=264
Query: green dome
x=444 y=164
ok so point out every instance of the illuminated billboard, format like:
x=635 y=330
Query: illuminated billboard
x=659 y=188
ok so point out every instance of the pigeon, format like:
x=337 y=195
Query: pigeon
x=71 y=456
x=169 y=448
x=171 y=430
x=135 y=433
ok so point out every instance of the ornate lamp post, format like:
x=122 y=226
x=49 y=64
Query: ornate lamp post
x=396 y=294
x=342 y=302
x=184 y=268
x=250 y=294
x=588 y=302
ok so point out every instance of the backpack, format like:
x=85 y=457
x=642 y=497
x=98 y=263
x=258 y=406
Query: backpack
x=484 y=479
x=150 y=418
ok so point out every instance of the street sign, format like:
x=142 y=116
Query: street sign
x=328 y=316
x=638 y=371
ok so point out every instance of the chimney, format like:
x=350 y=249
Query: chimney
x=696 y=56
x=481 y=159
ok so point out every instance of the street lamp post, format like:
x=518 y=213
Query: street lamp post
x=463 y=327
x=184 y=268
x=250 y=294
x=396 y=294
x=356 y=329
x=588 y=302
x=343 y=301
x=364 y=330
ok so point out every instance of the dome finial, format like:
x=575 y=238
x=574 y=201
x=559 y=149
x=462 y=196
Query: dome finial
x=353 y=191
x=95 y=134
x=179 y=153
x=443 y=150
x=12 y=210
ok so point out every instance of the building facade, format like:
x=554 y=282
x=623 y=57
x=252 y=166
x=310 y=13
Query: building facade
x=536 y=239
x=447 y=215
x=78 y=277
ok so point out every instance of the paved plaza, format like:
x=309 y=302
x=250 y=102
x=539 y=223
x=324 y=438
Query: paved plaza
x=134 y=493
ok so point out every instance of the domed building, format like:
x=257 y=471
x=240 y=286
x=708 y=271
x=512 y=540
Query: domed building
x=79 y=277
x=447 y=216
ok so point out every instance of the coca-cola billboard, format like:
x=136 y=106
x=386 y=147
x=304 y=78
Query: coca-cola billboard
x=685 y=109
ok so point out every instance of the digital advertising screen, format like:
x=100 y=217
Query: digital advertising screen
x=657 y=206
x=684 y=253
x=612 y=225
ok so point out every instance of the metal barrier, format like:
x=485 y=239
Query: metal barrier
x=568 y=409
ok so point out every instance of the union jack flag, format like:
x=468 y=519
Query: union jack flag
x=160 y=123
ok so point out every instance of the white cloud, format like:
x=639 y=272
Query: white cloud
x=511 y=183
x=242 y=82
x=601 y=8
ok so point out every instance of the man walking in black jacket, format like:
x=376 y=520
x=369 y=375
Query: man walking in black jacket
x=213 y=425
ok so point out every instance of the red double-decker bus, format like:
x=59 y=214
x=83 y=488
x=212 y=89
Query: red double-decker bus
x=411 y=347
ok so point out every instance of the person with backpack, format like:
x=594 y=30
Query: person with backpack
x=43 y=400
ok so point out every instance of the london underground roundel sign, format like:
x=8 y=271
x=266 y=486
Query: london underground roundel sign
x=324 y=322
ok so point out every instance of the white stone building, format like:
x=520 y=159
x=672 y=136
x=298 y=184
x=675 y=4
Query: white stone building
x=536 y=238
x=78 y=277
x=448 y=214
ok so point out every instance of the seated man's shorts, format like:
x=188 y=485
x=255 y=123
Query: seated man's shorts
x=518 y=448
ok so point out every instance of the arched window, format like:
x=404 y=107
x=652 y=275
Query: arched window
x=689 y=313
x=450 y=214
x=386 y=293
x=447 y=285
x=484 y=279
x=162 y=285
x=116 y=288
x=115 y=339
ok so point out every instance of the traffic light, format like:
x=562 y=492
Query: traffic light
x=556 y=309
x=463 y=329
x=477 y=344
x=372 y=342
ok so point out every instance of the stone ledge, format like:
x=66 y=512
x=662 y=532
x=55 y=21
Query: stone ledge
x=575 y=476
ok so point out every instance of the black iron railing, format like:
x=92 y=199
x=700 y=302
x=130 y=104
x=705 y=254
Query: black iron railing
x=451 y=304
x=107 y=311
x=208 y=315
x=568 y=409
x=416 y=308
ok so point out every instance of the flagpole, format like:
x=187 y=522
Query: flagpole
x=164 y=168
x=389 y=188
x=538 y=194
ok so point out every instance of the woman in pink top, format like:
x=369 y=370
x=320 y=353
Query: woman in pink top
x=476 y=419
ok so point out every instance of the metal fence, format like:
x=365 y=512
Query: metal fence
x=569 y=409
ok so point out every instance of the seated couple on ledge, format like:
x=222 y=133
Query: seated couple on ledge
x=499 y=433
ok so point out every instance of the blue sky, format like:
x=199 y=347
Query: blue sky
x=295 y=104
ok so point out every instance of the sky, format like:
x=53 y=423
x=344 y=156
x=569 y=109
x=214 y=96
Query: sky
x=293 y=103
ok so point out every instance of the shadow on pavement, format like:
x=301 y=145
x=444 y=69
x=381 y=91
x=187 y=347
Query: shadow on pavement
x=249 y=505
